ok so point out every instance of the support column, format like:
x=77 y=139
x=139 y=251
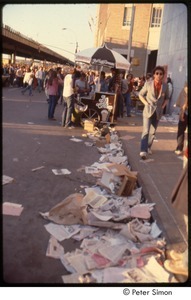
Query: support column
x=13 y=58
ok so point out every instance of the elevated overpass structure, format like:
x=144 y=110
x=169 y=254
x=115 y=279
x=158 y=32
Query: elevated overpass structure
x=16 y=44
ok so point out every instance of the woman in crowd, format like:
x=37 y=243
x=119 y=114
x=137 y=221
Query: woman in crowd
x=52 y=89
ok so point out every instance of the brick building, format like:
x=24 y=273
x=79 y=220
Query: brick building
x=133 y=30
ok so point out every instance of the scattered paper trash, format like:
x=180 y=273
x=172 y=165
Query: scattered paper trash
x=94 y=199
x=62 y=232
x=38 y=168
x=67 y=211
x=61 y=171
x=54 y=249
x=89 y=144
x=89 y=125
x=12 y=209
x=155 y=231
x=76 y=140
x=7 y=179
x=92 y=170
x=119 y=240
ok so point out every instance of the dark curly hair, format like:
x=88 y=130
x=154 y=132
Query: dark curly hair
x=159 y=68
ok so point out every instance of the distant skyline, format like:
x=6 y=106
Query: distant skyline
x=45 y=22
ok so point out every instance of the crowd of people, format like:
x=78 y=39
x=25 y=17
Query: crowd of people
x=84 y=83
x=56 y=86
x=65 y=83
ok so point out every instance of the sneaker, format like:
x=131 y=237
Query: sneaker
x=178 y=152
x=143 y=155
x=149 y=151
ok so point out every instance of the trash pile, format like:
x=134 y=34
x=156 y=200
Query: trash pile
x=119 y=240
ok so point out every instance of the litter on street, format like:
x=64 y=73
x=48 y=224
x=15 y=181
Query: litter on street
x=120 y=241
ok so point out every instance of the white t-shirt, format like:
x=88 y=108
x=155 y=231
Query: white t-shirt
x=39 y=74
x=68 y=86
x=27 y=77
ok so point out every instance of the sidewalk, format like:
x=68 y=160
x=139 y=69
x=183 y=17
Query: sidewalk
x=157 y=176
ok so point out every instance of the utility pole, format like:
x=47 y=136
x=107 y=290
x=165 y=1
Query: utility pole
x=131 y=33
x=76 y=50
x=76 y=42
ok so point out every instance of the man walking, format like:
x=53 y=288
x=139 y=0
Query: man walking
x=68 y=97
x=154 y=96
x=39 y=77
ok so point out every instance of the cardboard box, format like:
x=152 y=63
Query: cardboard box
x=129 y=178
x=127 y=186
x=89 y=125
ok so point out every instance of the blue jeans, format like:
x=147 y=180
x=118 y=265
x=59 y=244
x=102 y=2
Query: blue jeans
x=52 y=106
x=181 y=133
x=119 y=105
x=127 y=100
x=68 y=110
x=28 y=87
x=39 y=84
x=148 y=134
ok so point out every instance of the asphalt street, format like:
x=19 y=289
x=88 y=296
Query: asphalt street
x=30 y=141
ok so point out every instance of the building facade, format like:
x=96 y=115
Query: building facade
x=173 y=46
x=133 y=30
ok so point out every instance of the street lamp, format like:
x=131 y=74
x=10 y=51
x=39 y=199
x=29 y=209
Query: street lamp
x=76 y=48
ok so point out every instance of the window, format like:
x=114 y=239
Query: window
x=156 y=17
x=127 y=16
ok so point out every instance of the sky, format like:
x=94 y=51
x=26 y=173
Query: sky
x=44 y=23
